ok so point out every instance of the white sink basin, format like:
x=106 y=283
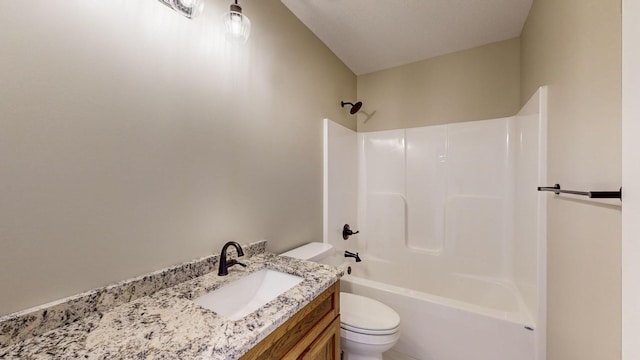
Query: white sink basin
x=247 y=294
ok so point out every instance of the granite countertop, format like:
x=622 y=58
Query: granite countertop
x=165 y=324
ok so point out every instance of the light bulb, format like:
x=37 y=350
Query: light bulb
x=236 y=24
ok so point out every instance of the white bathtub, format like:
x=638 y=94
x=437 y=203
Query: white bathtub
x=450 y=317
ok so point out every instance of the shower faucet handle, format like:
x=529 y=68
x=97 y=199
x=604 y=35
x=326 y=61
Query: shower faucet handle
x=346 y=231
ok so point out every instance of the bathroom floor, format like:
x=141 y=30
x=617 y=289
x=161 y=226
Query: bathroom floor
x=394 y=355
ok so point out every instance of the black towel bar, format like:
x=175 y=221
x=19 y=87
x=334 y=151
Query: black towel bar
x=591 y=194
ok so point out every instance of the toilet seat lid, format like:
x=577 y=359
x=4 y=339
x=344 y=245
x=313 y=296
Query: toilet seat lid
x=367 y=316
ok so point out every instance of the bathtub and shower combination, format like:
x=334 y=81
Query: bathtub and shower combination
x=451 y=231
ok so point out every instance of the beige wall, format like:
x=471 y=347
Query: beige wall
x=631 y=179
x=132 y=139
x=574 y=46
x=476 y=84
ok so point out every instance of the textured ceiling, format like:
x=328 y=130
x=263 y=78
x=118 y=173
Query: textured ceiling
x=371 y=35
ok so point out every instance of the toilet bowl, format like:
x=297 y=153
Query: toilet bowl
x=367 y=327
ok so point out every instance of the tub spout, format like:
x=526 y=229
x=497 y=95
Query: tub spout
x=350 y=254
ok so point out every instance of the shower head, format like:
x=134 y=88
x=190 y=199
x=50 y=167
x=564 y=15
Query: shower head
x=354 y=107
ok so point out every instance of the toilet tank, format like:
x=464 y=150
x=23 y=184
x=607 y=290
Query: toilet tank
x=314 y=251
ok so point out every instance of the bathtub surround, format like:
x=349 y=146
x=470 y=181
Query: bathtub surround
x=166 y=323
x=451 y=230
x=133 y=139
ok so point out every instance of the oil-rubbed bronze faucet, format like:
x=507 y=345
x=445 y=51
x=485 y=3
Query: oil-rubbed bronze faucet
x=224 y=264
x=350 y=254
x=346 y=232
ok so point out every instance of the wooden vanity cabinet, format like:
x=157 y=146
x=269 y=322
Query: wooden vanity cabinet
x=313 y=333
x=326 y=346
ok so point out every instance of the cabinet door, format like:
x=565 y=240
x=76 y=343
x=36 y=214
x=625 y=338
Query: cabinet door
x=295 y=337
x=326 y=346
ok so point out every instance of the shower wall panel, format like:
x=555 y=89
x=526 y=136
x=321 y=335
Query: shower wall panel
x=426 y=158
x=439 y=191
x=477 y=203
x=383 y=203
x=529 y=171
x=340 y=181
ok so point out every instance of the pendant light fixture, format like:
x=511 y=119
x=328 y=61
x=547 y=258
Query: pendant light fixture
x=187 y=8
x=237 y=26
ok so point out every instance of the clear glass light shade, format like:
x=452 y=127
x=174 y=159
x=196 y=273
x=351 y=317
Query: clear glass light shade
x=236 y=26
x=188 y=8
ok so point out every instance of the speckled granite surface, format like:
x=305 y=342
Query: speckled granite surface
x=38 y=320
x=166 y=324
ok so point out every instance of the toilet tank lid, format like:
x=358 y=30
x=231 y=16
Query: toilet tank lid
x=312 y=251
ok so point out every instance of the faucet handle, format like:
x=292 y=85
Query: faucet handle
x=235 y=262
x=346 y=231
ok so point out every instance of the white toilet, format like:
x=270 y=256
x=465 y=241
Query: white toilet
x=367 y=327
